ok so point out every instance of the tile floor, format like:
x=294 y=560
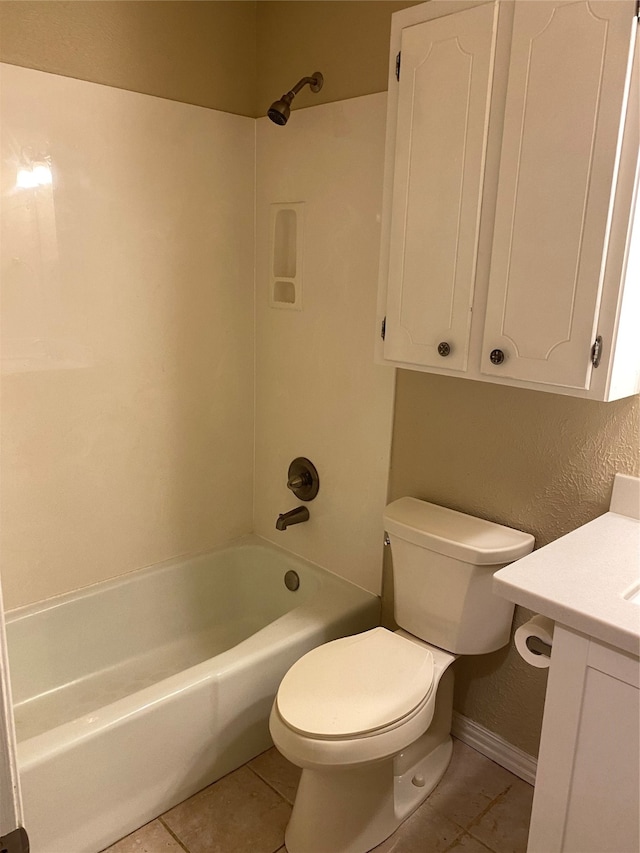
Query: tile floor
x=477 y=807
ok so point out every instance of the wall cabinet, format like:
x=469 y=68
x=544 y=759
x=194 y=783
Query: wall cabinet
x=510 y=250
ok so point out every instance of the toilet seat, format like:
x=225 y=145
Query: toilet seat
x=356 y=687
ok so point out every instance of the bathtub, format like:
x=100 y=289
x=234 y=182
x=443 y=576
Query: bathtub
x=133 y=694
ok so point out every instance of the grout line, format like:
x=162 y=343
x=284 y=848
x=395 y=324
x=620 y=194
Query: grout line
x=454 y=841
x=173 y=835
x=464 y=835
x=269 y=785
x=281 y=847
x=476 y=820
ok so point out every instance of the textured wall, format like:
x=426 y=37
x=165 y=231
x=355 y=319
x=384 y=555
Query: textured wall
x=194 y=51
x=540 y=462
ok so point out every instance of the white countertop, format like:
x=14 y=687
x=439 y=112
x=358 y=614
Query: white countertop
x=581 y=579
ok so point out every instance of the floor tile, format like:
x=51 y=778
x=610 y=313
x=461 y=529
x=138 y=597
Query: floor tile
x=237 y=814
x=152 y=838
x=467 y=844
x=505 y=826
x=472 y=782
x=478 y=807
x=277 y=772
x=426 y=830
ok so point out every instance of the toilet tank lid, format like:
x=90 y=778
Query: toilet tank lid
x=455 y=534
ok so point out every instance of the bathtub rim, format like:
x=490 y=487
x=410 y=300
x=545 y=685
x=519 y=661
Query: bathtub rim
x=25 y=610
x=335 y=599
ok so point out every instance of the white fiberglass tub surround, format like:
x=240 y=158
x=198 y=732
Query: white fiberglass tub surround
x=135 y=693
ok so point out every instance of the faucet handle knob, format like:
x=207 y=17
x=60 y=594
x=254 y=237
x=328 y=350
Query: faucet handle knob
x=299 y=481
x=303 y=479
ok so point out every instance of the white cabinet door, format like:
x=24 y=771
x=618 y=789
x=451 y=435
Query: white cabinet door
x=560 y=150
x=443 y=112
x=587 y=793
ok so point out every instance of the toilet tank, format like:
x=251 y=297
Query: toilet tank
x=443 y=565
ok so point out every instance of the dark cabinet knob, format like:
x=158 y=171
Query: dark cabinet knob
x=444 y=349
x=496 y=356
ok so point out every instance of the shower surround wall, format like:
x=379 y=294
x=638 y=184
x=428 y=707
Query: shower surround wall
x=127 y=332
x=318 y=392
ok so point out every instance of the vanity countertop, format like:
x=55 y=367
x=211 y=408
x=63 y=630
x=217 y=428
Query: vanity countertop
x=586 y=580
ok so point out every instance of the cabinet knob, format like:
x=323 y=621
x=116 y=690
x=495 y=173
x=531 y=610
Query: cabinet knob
x=444 y=349
x=496 y=356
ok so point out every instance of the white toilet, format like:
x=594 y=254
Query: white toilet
x=368 y=717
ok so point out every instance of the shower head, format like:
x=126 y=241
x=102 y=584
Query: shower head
x=279 y=111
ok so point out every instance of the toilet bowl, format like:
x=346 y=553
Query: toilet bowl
x=368 y=717
x=353 y=714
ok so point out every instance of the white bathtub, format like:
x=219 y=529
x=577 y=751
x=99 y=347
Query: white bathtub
x=133 y=694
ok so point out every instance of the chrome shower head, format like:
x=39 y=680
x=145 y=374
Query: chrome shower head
x=279 y=111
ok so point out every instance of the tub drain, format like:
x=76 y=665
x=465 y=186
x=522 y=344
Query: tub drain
x=291 y=580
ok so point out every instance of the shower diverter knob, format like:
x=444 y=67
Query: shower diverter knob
x=303 y=479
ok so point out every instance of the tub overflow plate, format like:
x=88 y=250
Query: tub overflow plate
x=292 y=580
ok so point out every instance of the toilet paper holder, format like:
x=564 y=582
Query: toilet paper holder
x=534 y=641
x=538 y=647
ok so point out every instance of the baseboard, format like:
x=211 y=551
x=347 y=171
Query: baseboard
x=494 y=747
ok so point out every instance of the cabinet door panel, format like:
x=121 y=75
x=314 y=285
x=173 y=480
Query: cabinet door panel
x=443 y=110
x=558 y=163
x=605 y=777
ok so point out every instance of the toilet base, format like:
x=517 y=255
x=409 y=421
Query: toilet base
x=353 y=809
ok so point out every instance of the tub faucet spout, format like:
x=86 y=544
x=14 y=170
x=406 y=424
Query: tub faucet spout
x=294 y=516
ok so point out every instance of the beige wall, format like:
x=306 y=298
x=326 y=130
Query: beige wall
x=539 y=462
x=232 y=56
x=194 y=51
x=347 y=40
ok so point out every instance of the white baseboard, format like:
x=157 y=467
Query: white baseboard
x=494 y=747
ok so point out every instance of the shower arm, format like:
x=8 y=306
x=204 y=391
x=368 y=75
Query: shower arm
x=315 y=84
x=302 y=83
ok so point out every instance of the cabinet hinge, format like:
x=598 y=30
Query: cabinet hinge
x=383 y=328
x=398 y=62
x=596 y=351
x=15 y=842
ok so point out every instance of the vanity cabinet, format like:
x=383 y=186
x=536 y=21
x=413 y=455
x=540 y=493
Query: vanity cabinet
x=510 y=250
x=587 y=783
x=587 y=788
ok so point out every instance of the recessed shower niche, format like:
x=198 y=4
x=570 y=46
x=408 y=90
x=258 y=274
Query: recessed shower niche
x=286 y=235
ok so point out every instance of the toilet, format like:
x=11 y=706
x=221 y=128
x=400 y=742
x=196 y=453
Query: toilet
x=368 y=717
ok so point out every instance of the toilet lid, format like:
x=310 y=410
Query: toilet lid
x=355 y=685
